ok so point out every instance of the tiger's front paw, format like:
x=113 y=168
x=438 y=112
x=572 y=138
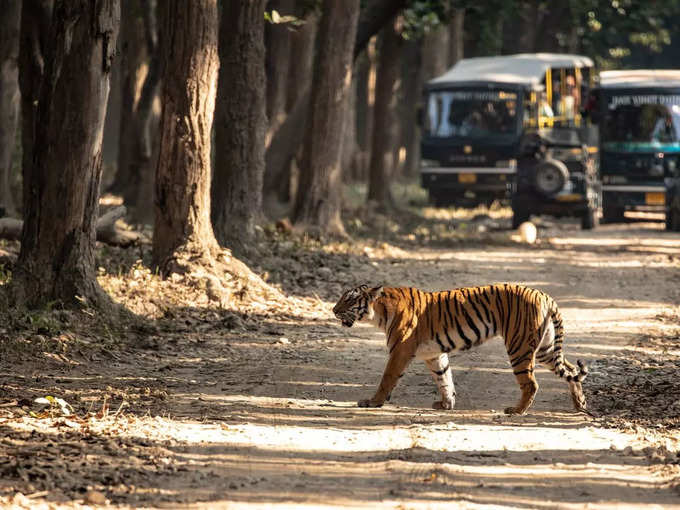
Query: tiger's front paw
x=369 y=403
x=514 y=410
x=443 y=404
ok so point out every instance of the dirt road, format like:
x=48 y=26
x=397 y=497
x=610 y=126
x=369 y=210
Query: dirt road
x=263 y=415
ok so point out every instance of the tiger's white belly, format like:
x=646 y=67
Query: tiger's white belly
x=431 y=349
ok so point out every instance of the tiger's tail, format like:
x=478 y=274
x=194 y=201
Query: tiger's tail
x=560 y=365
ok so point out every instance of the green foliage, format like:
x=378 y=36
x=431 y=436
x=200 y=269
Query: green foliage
x=276 y=19
x=613 y=32
x=423 y=17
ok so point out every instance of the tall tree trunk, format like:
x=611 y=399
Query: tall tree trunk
x=374 y=16
x=436 y=53
x=35 y=34
x=240 y=125
x=412 y=70
x=132 y=58
x=189 y=62
x=9 y=99
x=145 y=127
x=57 y=262
x=365 y=89
x=286 y=140
x=318 y=201
x=384 y=121
x=283 y=144
x=140 y=75
x=277 y=57
x=456 y=36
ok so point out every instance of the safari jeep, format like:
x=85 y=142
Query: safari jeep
x=639 y=117
x=510 y=127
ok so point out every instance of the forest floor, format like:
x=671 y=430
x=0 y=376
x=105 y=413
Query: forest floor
x=252 y=404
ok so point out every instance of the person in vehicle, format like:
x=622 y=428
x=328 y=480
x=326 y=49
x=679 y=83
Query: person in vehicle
x=569 y=104
x=664 y=131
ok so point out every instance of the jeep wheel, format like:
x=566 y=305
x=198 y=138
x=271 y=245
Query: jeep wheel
x=590 y=219
x=550 y=177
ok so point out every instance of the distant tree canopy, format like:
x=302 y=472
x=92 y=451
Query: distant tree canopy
x=615 y=33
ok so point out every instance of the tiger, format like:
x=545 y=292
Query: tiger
x=430 y=325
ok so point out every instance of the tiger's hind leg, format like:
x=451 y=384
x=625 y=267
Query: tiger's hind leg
x=523 y=368
x=441 y=373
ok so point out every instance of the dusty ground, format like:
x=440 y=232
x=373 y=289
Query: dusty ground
x=254 y=406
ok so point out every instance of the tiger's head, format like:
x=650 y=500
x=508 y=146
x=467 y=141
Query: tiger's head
x=354 y=305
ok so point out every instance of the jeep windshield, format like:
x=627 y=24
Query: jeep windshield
x=642 y=123
x=472 y=114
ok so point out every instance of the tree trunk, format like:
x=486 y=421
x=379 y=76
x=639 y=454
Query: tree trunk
x=57 y=261
x=435 y=53
x=282 y=144
x=365 y=88
x=132 y=57
x=145 y=146
x=286 y=140
x=456 y=36
x=240 y=125
x=412 y=70
x=35 y=34
x=301 y=60
x=189 y=62
x=374 y=16
x=384 y=120
x=277 y=57
x=140 y=76
x=9 y=99
x=318 y=200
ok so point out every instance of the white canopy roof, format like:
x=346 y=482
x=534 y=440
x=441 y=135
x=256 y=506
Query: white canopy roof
x=526 y=69
x=640 y=78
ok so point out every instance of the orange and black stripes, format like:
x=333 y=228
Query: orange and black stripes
x=428 y=325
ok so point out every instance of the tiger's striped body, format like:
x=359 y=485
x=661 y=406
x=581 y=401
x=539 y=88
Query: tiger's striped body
x=429 y=325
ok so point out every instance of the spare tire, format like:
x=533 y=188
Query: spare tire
x=550 y=177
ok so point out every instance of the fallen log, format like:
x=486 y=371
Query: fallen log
x=108 y=231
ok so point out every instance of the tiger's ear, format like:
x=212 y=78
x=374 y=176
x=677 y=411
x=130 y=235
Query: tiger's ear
x=376 y=292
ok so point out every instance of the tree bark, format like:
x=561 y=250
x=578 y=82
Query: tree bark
x=282 y=144
x=456 y=36
x=318 y=201
x=384 y=120
x=35 y=34
x=365 y=89
x=374 y=16
x=140 y=76
x=277 y=57
x=57 y=261
x=286 y=140
x=9 y=99
x=132 y=57
x=189 y=62
x=240 y=125
x=412 y=101
x=436 y=53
